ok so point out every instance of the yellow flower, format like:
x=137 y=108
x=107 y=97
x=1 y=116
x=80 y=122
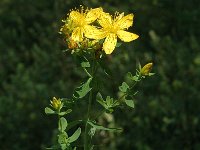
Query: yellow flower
x=146 y=69
x=56 y=103
x=113 y=28
x=81 y=22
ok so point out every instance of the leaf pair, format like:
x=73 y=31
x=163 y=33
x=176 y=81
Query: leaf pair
x=49 y=111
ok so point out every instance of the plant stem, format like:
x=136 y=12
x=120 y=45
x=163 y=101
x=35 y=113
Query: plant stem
x=88 y=110
x=86 y=124
x=87 y=72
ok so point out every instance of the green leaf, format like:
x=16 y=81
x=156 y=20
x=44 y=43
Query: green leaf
x=83 y=89
x=100 y=100
x=109 y=104
x=63 y=146
x=62 y=124
x=133 y=78
x=65 y=112
x=49 y=111
x=99 y=97
x=124 y=87
x=99 y=127
x=75 y=136
x=109 y=101
x=85 y=64
x=92 y=132
x=130 y=103
x=151 y=74
x=102 y=103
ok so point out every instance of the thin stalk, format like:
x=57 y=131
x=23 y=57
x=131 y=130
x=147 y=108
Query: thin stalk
x=86 y=124
x=87 y=72
x=88 y=110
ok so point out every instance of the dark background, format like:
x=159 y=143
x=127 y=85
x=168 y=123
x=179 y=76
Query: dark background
x=33 y=69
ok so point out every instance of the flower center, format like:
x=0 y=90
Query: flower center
x=82 y=22
x=113 y=29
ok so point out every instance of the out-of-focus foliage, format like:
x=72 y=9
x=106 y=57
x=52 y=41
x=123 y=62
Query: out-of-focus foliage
x=33 y=69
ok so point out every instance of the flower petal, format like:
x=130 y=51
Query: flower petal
x=124 y=22
x=105 y=20
x=77 y=34
x=76 y=17
x=93 y=14
x=110 y=43
x=118 y=17
x=93 y=33
x=126 y=36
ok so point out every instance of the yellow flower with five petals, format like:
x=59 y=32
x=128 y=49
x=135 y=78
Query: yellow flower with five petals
x=81 y=22
x=113 y=28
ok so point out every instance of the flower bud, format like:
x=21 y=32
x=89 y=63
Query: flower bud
x=146 y=69
x=56 y=103
x=72 y=44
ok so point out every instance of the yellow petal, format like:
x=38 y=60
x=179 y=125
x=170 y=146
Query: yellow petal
x=110 y=43
x=77 y=34
x=126 y=36
x=120 y=16
x=76 y=17
x=93 y=14
x=105 y=20
x=94 y=33
x=124 y=22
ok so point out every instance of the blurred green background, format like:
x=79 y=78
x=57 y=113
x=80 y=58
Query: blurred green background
x=33 y=69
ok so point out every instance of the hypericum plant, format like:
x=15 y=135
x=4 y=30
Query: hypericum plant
x=91 y=35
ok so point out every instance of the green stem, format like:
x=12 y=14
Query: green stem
x=88 y=110
x=87 y=72
x=86 y=124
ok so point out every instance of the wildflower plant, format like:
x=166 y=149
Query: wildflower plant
x=91 y=35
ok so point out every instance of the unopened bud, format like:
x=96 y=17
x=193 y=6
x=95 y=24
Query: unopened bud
x=56 y=103
x=146 y=69
x=72 y=44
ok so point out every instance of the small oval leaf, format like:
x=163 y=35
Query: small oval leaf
x=75 y=136
x=62 y=124
x=130 y=103
x=49 y=111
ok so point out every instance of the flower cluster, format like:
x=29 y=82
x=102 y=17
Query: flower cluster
x=89 y=27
